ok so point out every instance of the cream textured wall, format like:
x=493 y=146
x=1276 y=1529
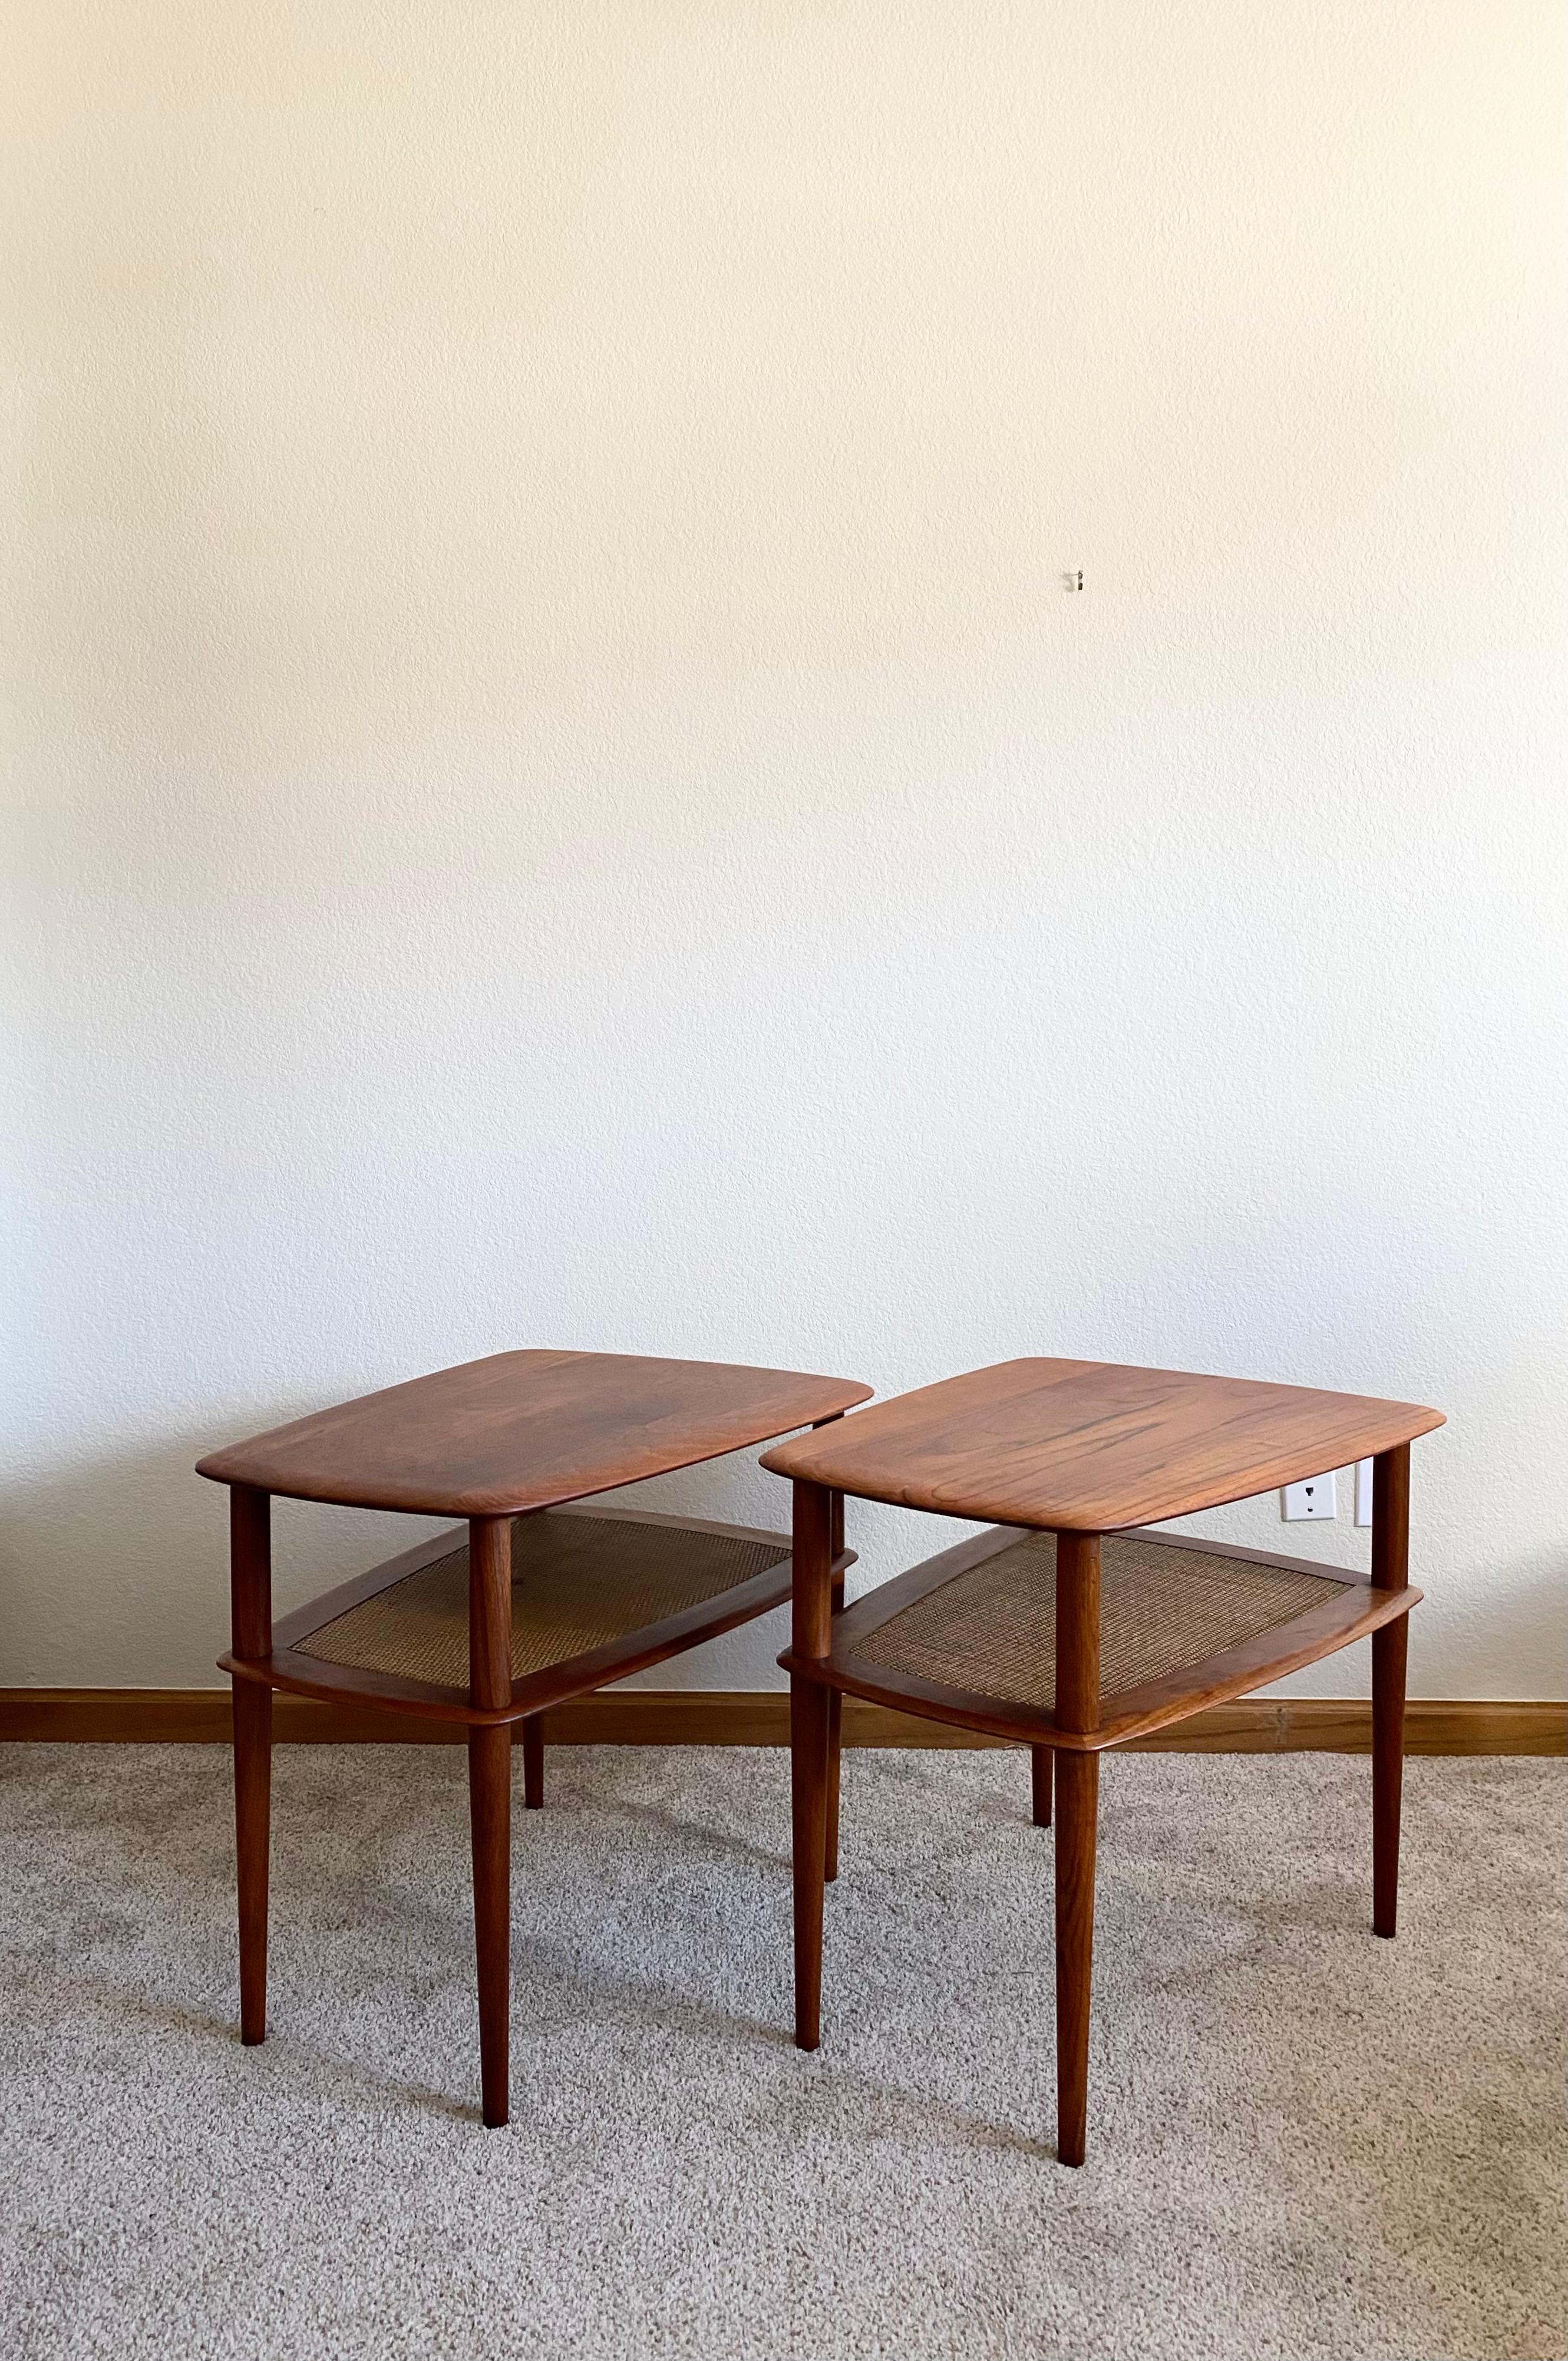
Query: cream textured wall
x=561 y=797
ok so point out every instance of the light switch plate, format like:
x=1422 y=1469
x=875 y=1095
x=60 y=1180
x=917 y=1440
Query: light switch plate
x=1311 y=1502
x=1364 y=1491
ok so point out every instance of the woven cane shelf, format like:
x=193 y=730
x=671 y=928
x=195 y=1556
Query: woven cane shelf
x=578 y=1583
x=595 y=1594
x=973 y=1632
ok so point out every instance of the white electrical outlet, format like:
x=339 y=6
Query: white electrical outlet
x=1364 y=1491
x=1312 y=1500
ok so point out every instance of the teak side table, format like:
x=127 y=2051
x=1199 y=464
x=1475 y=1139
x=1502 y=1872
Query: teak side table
x=1082 y=1632
x=537 y=1603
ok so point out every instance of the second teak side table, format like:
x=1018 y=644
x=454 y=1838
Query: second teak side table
x=1081 y=1631
x=538 y=1603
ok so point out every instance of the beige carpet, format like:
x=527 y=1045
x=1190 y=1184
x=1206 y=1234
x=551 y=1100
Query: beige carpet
x=1304 y=2141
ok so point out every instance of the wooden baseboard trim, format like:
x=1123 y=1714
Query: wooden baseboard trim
x=761 y=1717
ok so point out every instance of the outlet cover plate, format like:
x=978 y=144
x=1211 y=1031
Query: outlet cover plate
x=1310 y=1503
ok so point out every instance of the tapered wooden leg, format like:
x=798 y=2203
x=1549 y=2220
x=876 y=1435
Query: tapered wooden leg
x=489 y=1797
x=808 y=1775
x=534 y=1763
x=250 y=1608
x=1390 y=1572
x=835 y=1701
x=490 y=1813
x=1040 y=1758
x=252 y=1821
x=830 y=1830
x=1388 y=1652
x=811 y=1619
x=1077 y=1794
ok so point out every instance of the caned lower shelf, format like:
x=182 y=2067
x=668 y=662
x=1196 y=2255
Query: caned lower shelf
x=970 y=1637
x=595 y=1594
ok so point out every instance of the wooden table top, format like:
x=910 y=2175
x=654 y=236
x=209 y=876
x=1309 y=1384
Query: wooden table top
x=526 y=1430
x=1087 y=1446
